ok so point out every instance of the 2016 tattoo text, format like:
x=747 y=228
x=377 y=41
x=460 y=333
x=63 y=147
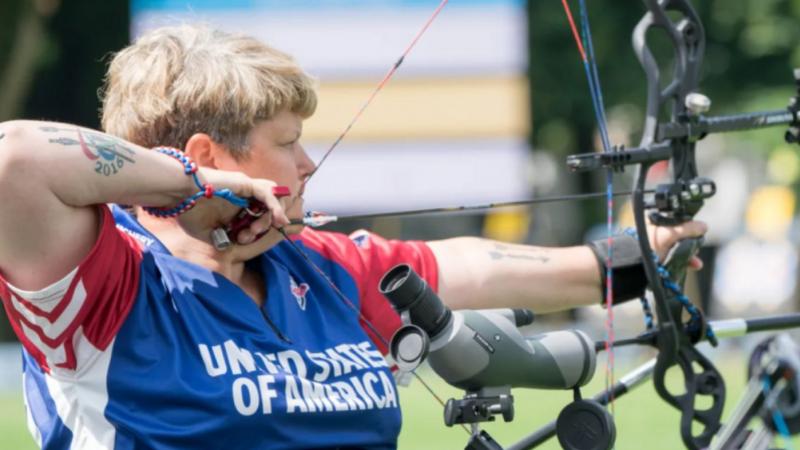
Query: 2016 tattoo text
x=108 y=153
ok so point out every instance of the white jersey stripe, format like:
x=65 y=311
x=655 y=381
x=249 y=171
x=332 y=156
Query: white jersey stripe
x=47 y=299
x=55 y=356
x=53 y=329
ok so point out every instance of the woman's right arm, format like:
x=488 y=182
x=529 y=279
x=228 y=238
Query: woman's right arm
x=51 y=177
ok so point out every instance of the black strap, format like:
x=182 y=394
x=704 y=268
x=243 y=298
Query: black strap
x=629 y=279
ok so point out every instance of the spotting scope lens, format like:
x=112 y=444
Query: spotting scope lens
x=408 y=292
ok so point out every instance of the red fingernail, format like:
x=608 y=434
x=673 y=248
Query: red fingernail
x=281 y=191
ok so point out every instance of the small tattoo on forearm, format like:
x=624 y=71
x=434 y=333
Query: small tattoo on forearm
x=2 y=135
x=505 y=255
x=108 y=153
x=519 y=252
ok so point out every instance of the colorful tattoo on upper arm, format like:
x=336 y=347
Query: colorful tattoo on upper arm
x=108 y=153
x=502 y=251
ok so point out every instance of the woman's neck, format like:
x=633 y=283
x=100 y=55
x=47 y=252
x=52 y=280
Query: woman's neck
x=229 y=263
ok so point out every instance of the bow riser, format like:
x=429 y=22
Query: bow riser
x=676 y=203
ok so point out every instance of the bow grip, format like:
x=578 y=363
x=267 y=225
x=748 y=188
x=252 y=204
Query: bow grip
x=677 y=259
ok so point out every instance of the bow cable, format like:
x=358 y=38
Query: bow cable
x=586 y=50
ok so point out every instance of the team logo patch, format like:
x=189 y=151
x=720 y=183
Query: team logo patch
x=299 y=292
x=360 y=238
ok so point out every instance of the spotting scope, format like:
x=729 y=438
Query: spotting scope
x=476 y=349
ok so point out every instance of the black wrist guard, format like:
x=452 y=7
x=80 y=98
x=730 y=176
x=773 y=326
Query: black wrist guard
x=629 y=279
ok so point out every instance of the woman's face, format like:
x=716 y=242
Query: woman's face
x=275 y=153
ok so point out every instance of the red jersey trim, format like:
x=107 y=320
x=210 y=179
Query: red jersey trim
x=367 y=257
x=108 y=278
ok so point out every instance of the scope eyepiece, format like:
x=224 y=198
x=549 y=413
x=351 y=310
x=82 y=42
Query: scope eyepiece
x=408 y=292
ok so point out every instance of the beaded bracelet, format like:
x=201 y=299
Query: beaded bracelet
x=205 y=190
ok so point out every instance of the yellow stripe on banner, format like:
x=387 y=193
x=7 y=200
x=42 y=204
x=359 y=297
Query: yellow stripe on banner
x=507 y=226
x=424 y=108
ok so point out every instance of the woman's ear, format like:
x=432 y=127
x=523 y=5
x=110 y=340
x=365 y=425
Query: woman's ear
x=207 y=153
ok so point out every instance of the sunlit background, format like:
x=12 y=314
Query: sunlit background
x=452 y=127
x=484 y=109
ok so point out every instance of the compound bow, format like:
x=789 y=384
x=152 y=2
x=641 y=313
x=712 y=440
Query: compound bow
x=679 y=201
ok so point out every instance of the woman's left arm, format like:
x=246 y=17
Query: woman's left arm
x=477 y=273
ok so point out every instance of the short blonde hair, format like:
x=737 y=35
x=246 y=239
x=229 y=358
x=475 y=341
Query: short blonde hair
x=177 y=81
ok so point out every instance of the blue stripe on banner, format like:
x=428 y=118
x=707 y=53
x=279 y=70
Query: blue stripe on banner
x=138 y=6
x=55 y=435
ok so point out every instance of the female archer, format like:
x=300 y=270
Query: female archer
x=139 y=332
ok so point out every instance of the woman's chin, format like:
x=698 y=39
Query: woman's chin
x=249 y=251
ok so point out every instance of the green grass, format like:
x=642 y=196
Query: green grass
x=13 y=430
x=643 y=419
x=640 y=417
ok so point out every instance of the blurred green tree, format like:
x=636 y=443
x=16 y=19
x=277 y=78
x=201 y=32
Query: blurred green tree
x=752 y=46
x=52 y=62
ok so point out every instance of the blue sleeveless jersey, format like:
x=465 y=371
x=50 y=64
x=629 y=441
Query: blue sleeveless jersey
x=139 y=349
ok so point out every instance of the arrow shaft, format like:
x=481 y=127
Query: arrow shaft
x=461 y=209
